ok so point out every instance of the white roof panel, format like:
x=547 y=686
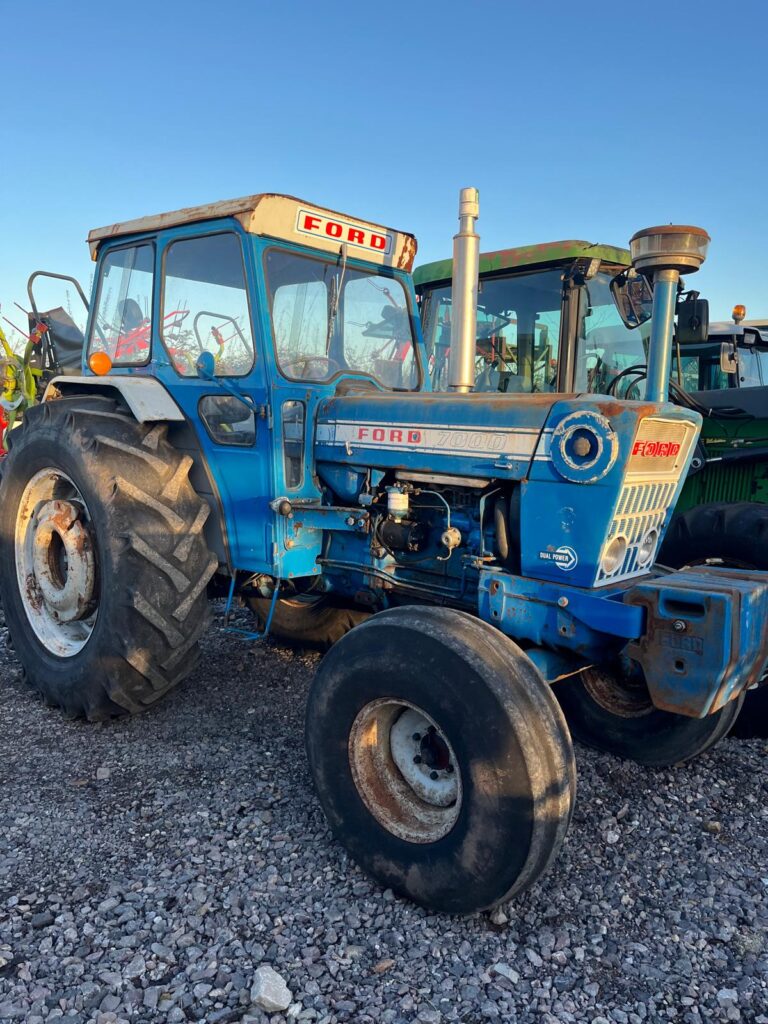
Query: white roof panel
x=283 y=217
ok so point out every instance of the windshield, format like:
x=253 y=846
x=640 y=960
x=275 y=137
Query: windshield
x=605 y=347
x=518 y=332
x=699 y=367
x=607 y=352
x=328 y=319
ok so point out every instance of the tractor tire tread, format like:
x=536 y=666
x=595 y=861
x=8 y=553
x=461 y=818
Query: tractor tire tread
x=148 y=520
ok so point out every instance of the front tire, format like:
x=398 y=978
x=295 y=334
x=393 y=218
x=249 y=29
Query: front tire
x=734 y=536
x=615 y=715
x=440 y=757
x=103 y=563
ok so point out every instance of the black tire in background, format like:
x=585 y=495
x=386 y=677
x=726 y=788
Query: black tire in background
x=624 y=724
x=494 y=718
x=734 y=536
x=144 y=522
x=307 y=620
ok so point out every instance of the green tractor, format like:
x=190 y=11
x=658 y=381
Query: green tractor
x=550 y=320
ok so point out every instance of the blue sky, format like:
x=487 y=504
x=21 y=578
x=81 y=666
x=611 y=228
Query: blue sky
x=575 y=121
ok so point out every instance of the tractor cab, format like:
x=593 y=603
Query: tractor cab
x=548 y=320
x=338 y=299
x=535 y=305
x=242 y=316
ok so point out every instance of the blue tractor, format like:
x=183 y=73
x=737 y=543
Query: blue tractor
x=253 y=419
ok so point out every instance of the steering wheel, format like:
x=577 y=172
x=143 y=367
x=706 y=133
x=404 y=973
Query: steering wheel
x=309 y=367
x=639 y=370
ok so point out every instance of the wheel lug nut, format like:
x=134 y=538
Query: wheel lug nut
x=431 y=728
x=449 y=769
x=433 y=776
x=417 y=736
x=417 y=759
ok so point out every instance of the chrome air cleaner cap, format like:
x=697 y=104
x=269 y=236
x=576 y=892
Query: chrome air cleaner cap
x=678 y=247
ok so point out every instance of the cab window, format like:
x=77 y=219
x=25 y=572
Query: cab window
x=329 y=319
x=610 y=357
x=517 y=338
x=205 y=305
x=122 y=321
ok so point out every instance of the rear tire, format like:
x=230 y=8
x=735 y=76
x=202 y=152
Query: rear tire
x=734 y=536
x=111 y=625
x=622 y=721
x=484 y=810
x=308 y=621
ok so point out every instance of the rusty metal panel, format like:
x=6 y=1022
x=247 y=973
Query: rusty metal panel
x=706 y=637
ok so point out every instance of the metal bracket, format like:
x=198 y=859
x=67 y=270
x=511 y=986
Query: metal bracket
x=319 y=517
x=246 y=634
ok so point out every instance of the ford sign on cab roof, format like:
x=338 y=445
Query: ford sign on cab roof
x=284 y=217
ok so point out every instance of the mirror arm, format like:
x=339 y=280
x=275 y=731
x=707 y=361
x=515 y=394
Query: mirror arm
x=230 y=388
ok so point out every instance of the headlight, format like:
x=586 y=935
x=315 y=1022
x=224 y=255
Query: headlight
x=584 y=447
x=613 y=555
x=647 y=547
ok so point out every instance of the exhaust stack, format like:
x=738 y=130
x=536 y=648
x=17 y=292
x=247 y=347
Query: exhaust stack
x=466 y=266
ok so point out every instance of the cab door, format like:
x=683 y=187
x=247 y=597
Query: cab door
x=203 y=304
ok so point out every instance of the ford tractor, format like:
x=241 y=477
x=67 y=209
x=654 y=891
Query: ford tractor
x=254 y=419
x=550 y=319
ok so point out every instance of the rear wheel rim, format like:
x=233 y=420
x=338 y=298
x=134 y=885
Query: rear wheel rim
x=405 y=770
x=56 y=565
x=625 y=696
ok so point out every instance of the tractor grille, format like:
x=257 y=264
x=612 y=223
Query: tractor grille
x=659 y=457
x=722 y=482
x=641 y=508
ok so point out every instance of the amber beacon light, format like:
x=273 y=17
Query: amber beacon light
x=100 y=363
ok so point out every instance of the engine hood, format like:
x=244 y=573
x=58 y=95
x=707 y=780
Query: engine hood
x=474 y=434
x=480 y=435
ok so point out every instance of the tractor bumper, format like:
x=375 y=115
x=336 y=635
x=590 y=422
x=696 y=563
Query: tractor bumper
x=705 y=639
x=700 y=635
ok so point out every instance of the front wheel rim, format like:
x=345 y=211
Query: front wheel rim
x=56 y=565
x=405 y=770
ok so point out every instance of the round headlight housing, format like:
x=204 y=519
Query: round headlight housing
x=613 y=555
x=647 y=547
x=584 y=447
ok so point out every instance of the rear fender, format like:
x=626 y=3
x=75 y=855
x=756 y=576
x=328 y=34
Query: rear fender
x=149 y=402
x=146 y=397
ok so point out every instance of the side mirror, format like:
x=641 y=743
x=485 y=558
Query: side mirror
x=692 y=320
x=633 y=297
x=729 y=357
x=206 y=366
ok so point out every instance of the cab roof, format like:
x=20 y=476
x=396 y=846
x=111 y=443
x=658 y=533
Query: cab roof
x=525 y=257
x=284 y=217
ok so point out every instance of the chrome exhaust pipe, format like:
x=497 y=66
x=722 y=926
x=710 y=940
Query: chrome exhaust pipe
x=466 y=266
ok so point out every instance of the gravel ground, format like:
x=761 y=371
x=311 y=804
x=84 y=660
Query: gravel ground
x=150 y=867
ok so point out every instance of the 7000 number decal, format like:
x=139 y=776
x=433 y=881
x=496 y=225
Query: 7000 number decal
x=460 y=440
